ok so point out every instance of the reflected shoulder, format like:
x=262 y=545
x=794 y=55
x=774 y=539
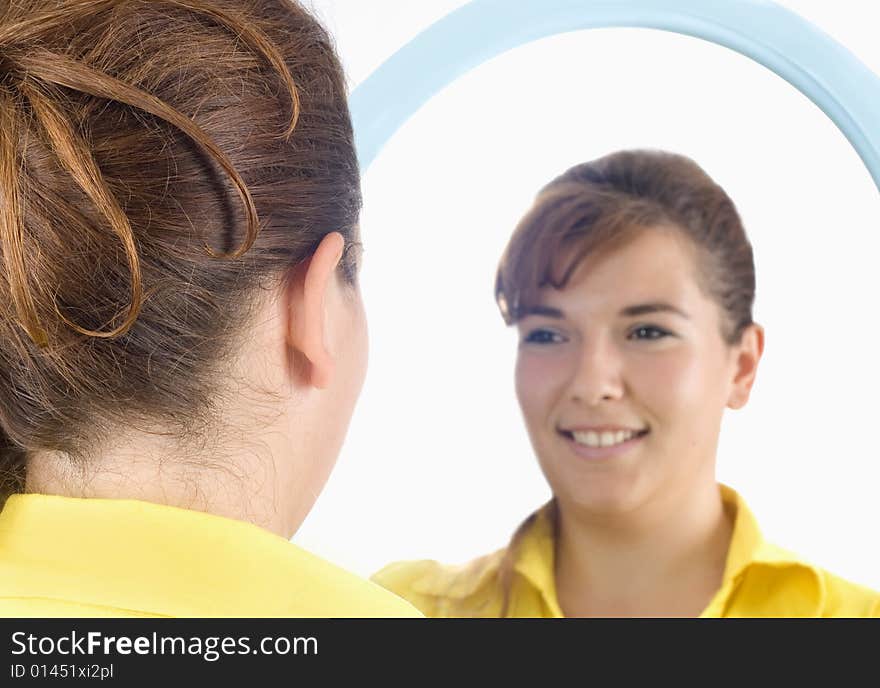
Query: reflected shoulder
x=440 y=590
x=843 y=598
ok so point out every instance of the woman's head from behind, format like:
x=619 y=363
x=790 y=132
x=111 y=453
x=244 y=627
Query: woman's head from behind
x=631 y=282
x=179 y=248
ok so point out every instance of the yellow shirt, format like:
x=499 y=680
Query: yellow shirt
x=760 y=580
x=67 y=557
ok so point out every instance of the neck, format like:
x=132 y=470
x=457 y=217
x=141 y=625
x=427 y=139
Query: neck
x=246 y=485
x=665 y=559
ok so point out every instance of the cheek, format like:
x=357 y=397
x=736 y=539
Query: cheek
x=680 y=380
x=539 y=381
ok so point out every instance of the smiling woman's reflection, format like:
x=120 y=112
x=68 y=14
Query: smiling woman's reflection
x=631 y=283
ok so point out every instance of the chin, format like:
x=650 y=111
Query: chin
x=607 y=504
x=609 y=493
x=603 y=486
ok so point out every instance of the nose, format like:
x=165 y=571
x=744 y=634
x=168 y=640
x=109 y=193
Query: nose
x=598 y=375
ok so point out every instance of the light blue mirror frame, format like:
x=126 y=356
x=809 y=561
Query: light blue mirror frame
x=823 y=70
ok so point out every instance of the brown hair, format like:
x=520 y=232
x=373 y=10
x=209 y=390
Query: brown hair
x=597 y=206
x=162 y=162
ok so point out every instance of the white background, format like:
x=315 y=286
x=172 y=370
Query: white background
x=437 y=463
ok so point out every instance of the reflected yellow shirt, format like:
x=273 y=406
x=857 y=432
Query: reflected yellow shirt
x=760 y=580
x=67 y=557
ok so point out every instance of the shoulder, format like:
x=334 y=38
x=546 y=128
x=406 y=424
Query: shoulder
x=46 y=607
x=786 y=584
x=848 y=599
x=439 y=590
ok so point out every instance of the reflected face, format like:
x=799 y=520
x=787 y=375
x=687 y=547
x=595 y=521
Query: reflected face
x=623 y=376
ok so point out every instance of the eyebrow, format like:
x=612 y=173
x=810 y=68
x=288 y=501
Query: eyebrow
x=543 y=310
x=647 y=308
x=628 y=312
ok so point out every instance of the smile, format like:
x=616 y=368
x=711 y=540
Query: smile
x=603 y=439
x=602 y=442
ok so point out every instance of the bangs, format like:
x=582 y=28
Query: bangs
x=567 y=224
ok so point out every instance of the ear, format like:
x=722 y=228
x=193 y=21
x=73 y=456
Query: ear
x=307 y=310
x=747 y=356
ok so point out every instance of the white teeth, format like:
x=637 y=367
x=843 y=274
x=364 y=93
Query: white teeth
x=603 y=439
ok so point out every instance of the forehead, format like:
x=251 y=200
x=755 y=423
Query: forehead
x=658 y=264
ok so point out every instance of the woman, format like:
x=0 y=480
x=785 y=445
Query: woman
x=182 y=338
x=631 y=283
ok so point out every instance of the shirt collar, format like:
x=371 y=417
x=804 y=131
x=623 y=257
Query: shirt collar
x=167 y=561
x=535 y=562
x=772 y=581
x=747 y=544
x=746 y=539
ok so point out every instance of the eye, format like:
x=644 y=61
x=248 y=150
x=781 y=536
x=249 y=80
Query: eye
x=649 y=332
x=543 y=336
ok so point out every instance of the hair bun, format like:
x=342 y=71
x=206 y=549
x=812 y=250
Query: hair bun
x=161 y=163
